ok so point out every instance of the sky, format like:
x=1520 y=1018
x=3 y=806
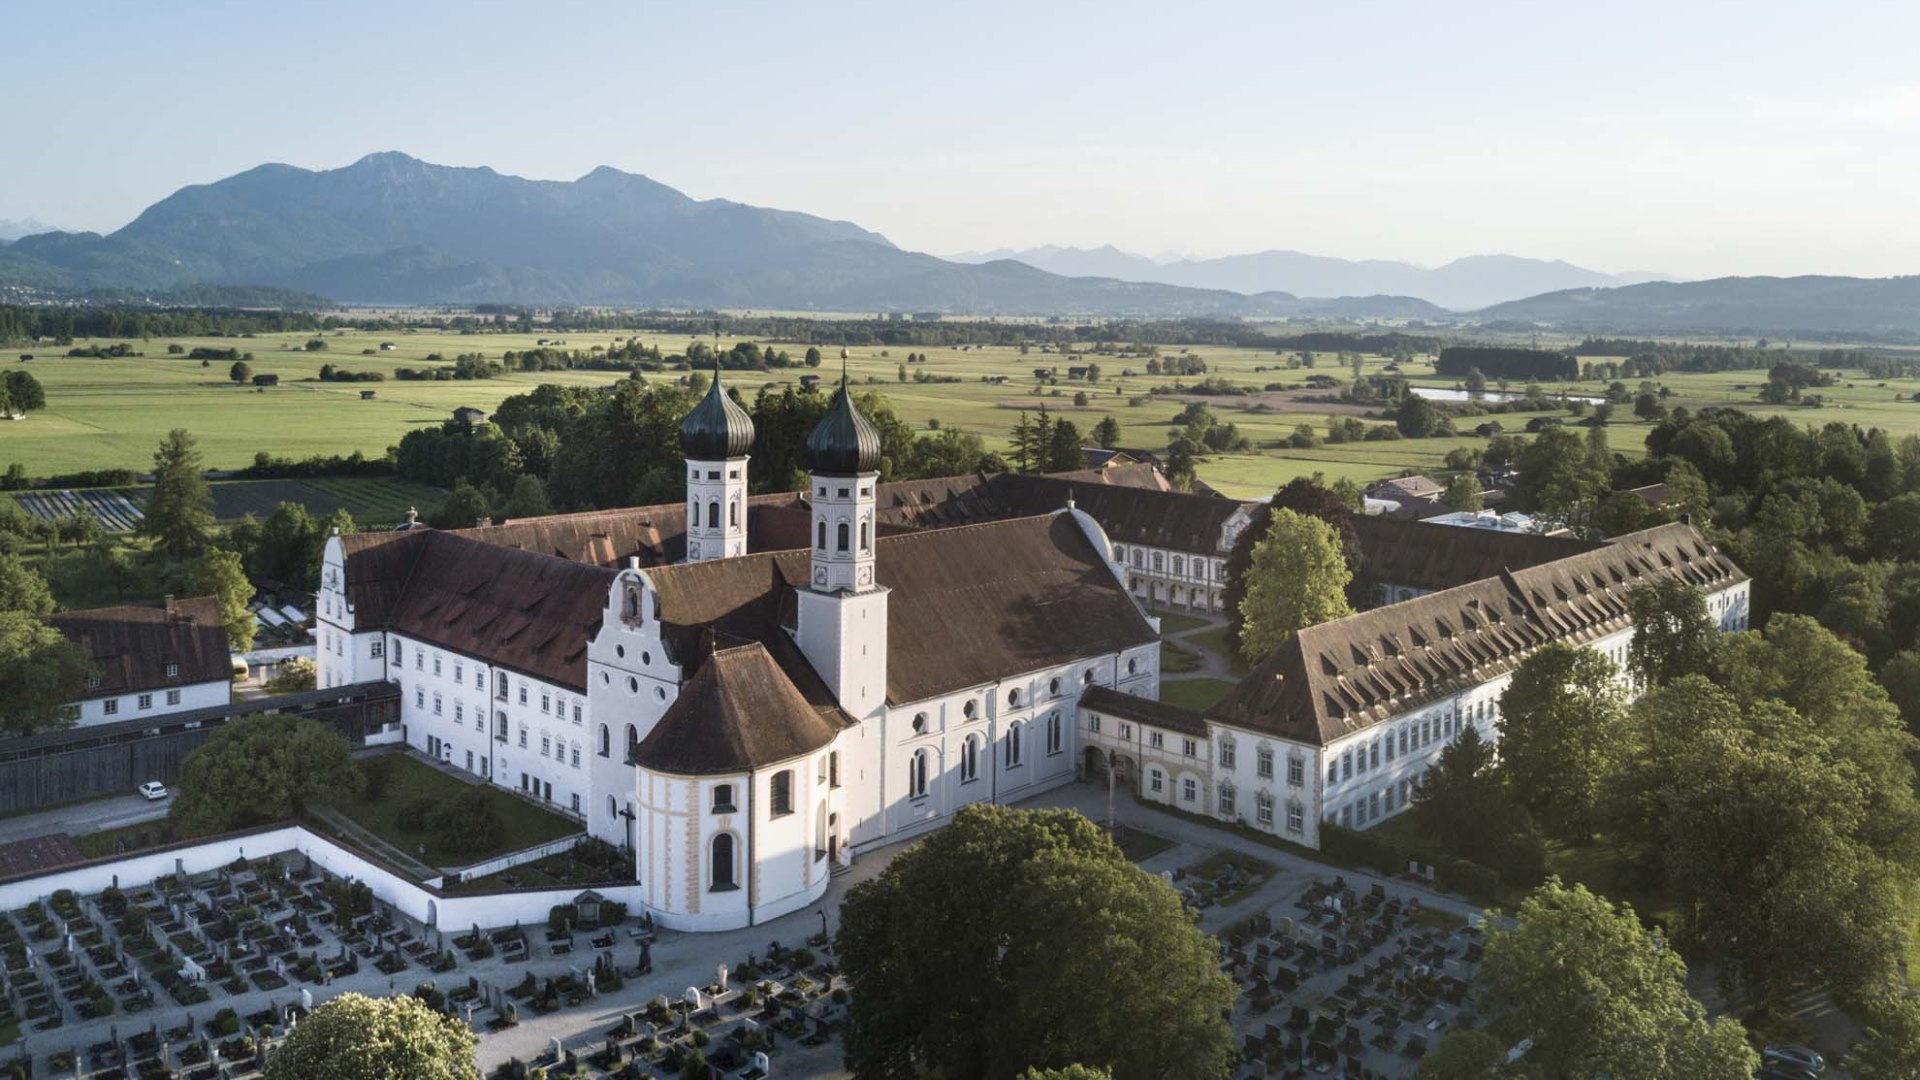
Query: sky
x=1696 y=138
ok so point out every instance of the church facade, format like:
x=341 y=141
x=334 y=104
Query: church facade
x=743 y=721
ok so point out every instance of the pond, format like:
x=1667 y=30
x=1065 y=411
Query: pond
x=1437 y=393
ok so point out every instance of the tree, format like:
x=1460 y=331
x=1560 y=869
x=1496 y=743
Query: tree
x=1900 y=677
x=1298 y=577
x=22 y=391
x=240 y=372
x=22 y=589
x=1891 y=1048
x=1463 y=806
x=1561 y=726
x=1106 y=433
x=261 y=769
x=467 y=824
x=179 y=514
x=391 y=1038
x=1464 y=1054
x=528 y=499
x=1463 y=492
x=219 y=574
x=41 y=674
x=463 y=508
x=1687 y=491
x=294 y=676
x=1064 y=448
x=1600 y=995
x=1416 y=416
x=1007 y=921
x=1672 y=633
x=813 y=356
x=1649 y=407
x=1069 y=1072
x=1557 y=475
x=1181 y=452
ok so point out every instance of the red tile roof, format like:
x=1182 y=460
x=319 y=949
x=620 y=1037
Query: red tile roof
x=132 y=644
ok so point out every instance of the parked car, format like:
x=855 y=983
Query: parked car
x=1780 y=1070
x=153 y=790
x=1794 y=1054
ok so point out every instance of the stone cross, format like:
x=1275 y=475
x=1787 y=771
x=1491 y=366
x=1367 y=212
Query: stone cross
x=553 y=1044
x=720 y=978
x=306 y=999
x=761 y=1064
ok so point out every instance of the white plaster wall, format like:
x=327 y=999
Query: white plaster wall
x=192 y=696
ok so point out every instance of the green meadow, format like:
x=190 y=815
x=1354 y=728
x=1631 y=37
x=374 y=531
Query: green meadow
x=110 y=413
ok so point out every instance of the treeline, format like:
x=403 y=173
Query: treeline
x=1460 y=361
x=564 y=448
x=1374 y=344
x=1645 y=359
x=18 y=323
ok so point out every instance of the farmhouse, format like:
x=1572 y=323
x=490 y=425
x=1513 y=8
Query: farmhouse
x=152 y=659
x=468 y=415
x=266 y=380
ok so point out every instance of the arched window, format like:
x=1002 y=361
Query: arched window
x=613 y=808
x=633 y=741
x=780 y=794
x=917 y=774
x=822 y=542
x=1179 y=565
x=713 y=515
x=733 y=513
x=630 y=606
x=841 y=537
x=723 y=875
x=1055 y=736
x=970 y=760
x=833 y=768
x=1014 y=734
x=606 y=741
x=866 y=542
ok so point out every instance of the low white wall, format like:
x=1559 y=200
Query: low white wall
x=420 y=902
x=521 y=857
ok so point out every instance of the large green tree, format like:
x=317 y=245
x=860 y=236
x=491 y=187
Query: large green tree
x=261 y=769
x=1889 y=1048
x=22 y=588
x=1600 y=995
x=1464 y=1054
x=1462 y=804
x=1306 y=495
x=218 y=573
x=1672 y=633
x=1298 y=578
x=1561 y=726
x=41 y=673
x=1032 y=926
x=179 y=513
x=354 y=1037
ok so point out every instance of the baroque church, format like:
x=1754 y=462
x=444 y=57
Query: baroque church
x=746 y=692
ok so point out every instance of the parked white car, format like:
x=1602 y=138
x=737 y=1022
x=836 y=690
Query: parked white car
x=153 y=790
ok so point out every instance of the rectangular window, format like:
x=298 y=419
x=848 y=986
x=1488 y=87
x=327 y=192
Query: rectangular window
x=1375 y=755
x=780 y=794
x=436 y=664
x=1346 y=816
x=419 y=660
x=480 y=681
x=1189 y=790
x=546 y=703
x=173 y=671
x=1226 y=755
x=1189 y=748
x=1403 y=738
x=576 y=802
x=1296 y=820
x=459 y=712
x=546 y=745
x=1093 y=723
x=576 y=712
x=173 y=697
x=419 y=697
x=459 y=672
x=1155 y=780
x=110 y=706
x=1226 y=802
x=1157 y=741
x=436 y=704
x=1296 y=770
x=523 y=693
x=1126 y=730
x=1346 y=765
x=376 y=647
x=1263 y=809
x=576 y=756
x=1333 y=772
x=1263 y=763
x=523 y=738
x=146 y=701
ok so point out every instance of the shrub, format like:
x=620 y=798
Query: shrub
x=467 y=824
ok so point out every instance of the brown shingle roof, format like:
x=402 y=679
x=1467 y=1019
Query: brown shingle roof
x=1339 y=677
x=969 y=605
x=132 y=644
x=519 y=610
x=1141 y=710
x=656 y=535
x=1167 y=519
x=1425 y=556
x=738 y=712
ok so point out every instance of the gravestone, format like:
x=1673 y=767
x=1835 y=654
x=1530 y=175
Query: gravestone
x=720 y=978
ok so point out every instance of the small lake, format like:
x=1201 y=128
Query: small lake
x=1435 y=393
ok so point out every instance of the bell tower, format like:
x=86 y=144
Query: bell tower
x=717 y=438
x=843 y=611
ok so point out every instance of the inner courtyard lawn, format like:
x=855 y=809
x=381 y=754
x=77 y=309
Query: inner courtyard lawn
x=398 y=784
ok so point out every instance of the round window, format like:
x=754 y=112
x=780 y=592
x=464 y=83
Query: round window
x=660 y=693
x=919 y=722
x=1087 y=679
x=1054 y=688
x=1133 y=666
x=968 y=710
x=620 y=651
x=605 y=679
x=1013 y=697
x=646 y=658
x=633 y=685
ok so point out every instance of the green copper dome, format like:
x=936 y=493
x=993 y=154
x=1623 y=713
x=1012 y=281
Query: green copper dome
x=844 y=443
x=717 y=428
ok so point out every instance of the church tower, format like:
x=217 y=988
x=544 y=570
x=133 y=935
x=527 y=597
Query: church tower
x=843 y=612
x=716 y=438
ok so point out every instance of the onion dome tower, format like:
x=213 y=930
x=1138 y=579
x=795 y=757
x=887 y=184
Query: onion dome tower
x=716 y=437
x=843 y=456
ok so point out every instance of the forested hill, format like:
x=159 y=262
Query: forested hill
x=393 y=229
x=1773 y=305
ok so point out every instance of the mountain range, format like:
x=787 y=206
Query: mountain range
x=12 y=229
x=1462 y=285
x=391 y=229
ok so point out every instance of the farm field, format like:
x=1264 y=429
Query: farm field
x=372 y=501
x=111 y=412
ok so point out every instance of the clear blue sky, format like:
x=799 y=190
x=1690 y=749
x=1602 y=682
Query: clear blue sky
x=1691 y=136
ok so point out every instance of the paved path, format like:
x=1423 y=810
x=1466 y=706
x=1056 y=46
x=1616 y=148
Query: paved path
x=80 y=819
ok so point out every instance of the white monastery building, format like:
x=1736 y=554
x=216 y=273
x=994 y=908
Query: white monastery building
x=151 y=659
x=746 y=692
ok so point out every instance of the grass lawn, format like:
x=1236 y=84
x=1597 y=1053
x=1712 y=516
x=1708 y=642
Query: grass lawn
x=1605 y=869
x=1172 y=622
x=145 y=834
x=1215 y=642
x=1196 y=694
x=1177 y=660
x=1253 y=873
x=1139 y=845
x=397 y=784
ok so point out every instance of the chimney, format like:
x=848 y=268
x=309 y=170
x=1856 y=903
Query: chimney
x=168 y=604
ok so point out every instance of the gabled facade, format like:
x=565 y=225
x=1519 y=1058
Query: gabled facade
x=150 y=659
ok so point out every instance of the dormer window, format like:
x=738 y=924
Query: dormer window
x=173 y=671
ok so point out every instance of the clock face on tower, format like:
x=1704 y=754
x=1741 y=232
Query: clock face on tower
x=820 y=575
x=693 y=549
x=866 y=575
